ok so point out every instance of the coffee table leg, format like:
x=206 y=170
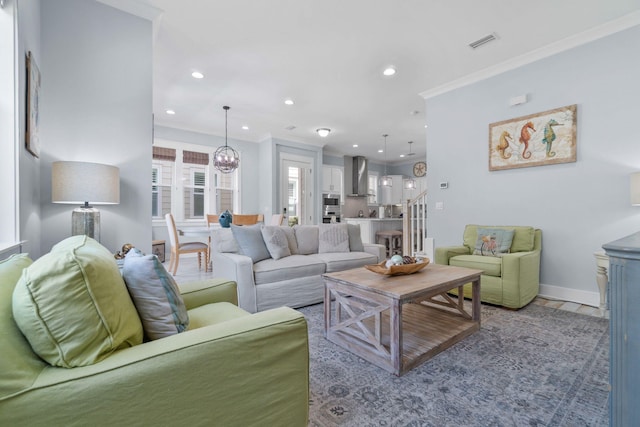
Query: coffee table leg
x=475 y=300
x=395 y=336
x=327 y=308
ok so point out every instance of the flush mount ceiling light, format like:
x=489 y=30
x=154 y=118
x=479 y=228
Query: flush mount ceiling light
x=226 y=159
x=288 y=101
x=197 y=75
x=389 y=71
x=170 y=112
x=386 y=180
x=323 y=132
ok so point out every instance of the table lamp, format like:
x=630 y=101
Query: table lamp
x=82 y=182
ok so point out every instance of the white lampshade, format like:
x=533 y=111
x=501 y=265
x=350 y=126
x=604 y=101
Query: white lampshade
x=84 y=183
x=635 y=189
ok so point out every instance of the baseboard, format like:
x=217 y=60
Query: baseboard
x=568 y=294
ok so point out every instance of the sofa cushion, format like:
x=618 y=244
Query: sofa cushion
x=291 y=239
x=355 y=239
x=73 y=307
x=333 y=238
x=211 y=314
x=222 y=240
x=291 y=267
x=155 y=294
x=19 y=365
x=250 y=241
x=276 y=241
x=337 y=261
x=490 y=266
x=493 y=241
x=523 y=237
x=307 y=238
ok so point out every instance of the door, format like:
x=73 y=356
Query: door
x=296 y=189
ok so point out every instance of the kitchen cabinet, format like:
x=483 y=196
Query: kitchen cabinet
x=394 y=195
x=332 y=180
x=370 y=226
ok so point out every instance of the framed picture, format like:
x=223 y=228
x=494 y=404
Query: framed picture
x=539 y=139
x=32 y=139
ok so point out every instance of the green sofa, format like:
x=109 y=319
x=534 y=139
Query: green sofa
x=230 y=368
x=510 y=280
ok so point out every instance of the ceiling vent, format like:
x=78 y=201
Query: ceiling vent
x=290 y=127
x=484 y=40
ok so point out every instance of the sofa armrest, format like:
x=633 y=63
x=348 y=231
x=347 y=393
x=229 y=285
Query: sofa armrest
x=238 y=268
x=374 y=249
x=445 y=253
x=202 y=292
x=247 y=371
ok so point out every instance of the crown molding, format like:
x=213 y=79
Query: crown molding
x=627 y=21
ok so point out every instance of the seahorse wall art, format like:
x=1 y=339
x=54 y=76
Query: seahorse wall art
x=539 y=139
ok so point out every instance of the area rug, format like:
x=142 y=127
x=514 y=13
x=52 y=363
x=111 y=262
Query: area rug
x=538 y=366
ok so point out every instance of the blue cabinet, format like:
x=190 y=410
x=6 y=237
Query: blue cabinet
x=624 y=305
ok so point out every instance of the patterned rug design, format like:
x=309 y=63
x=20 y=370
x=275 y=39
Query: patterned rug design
x=538 y=366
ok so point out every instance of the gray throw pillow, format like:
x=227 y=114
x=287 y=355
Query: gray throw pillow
x=333 y=238
x=250 y=241
x=307 y=238
x=291 y=239
x=223 y=241
x=155 y=294
x=276 y=241
x=355 y=240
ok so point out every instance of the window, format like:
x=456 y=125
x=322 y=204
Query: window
x=372 y=199
x=184 y=183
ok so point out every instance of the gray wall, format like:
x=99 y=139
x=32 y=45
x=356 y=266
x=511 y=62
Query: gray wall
x=96 y=65
x=579 y=206
x=28 y=165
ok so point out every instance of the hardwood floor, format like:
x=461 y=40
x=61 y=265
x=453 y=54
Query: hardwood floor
x=188 y=272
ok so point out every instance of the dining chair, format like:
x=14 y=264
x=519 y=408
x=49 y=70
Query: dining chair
x=276 y=219
x=211 y=219
x=239 y=219
x=178 y=248
x=261 y=218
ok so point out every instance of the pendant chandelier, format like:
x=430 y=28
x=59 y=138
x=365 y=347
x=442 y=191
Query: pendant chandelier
x=410 y=183
x=226 y=159
x=386 y=180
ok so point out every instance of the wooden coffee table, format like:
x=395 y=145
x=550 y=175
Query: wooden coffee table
x=398 y=322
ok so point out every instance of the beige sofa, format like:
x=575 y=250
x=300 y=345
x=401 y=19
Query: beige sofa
x=294 y=280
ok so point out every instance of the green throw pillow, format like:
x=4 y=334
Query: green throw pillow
x=73 y=306
x=493 y=241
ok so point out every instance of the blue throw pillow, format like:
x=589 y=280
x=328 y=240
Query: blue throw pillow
x=249 y=238
x=493 y=241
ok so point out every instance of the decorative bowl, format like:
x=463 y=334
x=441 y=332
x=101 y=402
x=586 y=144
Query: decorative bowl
x=394 y=270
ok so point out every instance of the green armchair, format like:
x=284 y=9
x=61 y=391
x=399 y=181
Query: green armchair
x=510 y=280
x=231 y=368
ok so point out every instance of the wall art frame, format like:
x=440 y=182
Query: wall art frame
x=32 y=137
x=539 y=139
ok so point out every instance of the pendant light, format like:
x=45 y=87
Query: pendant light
x=226 y=159
x=410 y=183
x=386 y=180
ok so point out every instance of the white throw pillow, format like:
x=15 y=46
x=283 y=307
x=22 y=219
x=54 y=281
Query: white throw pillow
x=276 y=241
x=333 y=238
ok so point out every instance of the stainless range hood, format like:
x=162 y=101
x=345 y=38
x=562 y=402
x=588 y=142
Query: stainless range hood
x=357 y=169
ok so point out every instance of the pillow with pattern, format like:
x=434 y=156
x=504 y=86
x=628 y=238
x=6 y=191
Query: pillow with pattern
x=333 y=238
x=493 y=241
x=276 y=241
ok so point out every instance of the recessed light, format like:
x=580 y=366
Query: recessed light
x=389 y=71
x=288 y=101
x=401 y=155
x=245 y=127
x=355 y=145
x=426 y=126
x=170 y=112
x=197 y=75
x=380 y=151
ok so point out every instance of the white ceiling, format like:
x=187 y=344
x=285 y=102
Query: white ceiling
x=328 y=56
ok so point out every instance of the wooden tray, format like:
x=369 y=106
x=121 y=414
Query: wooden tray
x=397 y=269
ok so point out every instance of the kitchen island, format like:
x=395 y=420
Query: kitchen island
x=370 y=226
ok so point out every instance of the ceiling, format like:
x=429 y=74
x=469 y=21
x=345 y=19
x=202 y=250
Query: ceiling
x=328 y=56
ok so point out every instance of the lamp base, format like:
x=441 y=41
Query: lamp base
x=86 y=220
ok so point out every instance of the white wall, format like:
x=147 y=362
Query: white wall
x=96 y=105
x=579 y=206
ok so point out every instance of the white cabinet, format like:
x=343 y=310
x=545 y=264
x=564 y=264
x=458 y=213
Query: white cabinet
x=393 y=195
x=332 y=180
